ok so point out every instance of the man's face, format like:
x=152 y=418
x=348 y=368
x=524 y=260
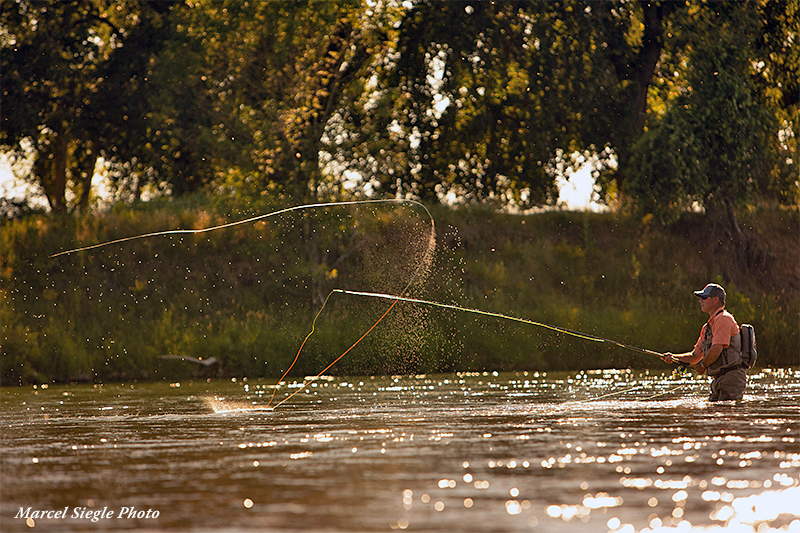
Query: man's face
x=709 y=304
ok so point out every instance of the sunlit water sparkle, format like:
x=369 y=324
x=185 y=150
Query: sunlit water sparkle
x=594 y=451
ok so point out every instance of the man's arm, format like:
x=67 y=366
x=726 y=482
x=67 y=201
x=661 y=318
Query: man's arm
x=712 y=355
x=689 y=358
x=695 y=358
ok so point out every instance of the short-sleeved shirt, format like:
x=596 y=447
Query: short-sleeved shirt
x=723 y=327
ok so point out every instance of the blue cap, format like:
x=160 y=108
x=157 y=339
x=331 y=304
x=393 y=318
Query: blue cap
x=711 y=290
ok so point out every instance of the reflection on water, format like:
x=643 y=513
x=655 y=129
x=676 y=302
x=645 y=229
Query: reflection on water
x=594 y=451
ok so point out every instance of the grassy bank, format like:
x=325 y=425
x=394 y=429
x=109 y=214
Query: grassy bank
x=247 y=295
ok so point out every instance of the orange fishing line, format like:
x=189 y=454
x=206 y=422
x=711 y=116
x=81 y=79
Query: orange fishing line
x=274 y=213
x=335 y=360
x=287 y=370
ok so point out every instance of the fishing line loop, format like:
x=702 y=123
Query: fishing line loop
x=395 y=299
x=244 y=221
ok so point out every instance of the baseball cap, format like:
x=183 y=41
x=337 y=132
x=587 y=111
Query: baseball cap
x=711 y=290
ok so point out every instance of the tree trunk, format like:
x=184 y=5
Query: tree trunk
x=54 y=174
x=741 y=257
x=647 y=60
x=84 y=172
x=736 y=231
x=641 y=72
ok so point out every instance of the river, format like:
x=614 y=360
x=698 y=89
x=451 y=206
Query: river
x=610 y=450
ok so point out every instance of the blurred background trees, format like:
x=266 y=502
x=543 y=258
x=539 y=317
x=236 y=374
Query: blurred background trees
x=75 y=87
x=682 y=105
x=717 y=143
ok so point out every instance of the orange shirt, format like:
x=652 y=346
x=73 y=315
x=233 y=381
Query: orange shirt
x=723 y=327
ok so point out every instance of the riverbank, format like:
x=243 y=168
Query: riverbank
x=247 y=295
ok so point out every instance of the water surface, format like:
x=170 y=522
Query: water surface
x=594 y=451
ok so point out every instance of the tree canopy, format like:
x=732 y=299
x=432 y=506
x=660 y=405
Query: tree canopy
x=685 y=103
x=74 y=74
x=715 y=144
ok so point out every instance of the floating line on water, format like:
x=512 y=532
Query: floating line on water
x=573 y=333
x=615 y=393
x=569 y=403
x=662 y=393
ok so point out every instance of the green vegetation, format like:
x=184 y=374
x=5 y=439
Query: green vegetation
x=247 y=294
x=679 y=103
x=194 y=114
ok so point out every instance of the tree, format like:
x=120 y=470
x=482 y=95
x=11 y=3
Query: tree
x=630 y=40
x=72 y=75
x=485 y=95
x=713 y=148
x=481 y=100
x=286 y=69
x=180 y=132
x=777 y=62
x=485 y=143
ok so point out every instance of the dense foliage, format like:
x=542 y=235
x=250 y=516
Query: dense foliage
x=681 y=102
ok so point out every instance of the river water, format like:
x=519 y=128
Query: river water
x=609 y=450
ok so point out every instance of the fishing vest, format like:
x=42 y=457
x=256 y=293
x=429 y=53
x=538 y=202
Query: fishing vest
x=729 y=359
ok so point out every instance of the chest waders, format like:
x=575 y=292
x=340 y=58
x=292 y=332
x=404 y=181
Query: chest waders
x=729 y=370
x=730 y=358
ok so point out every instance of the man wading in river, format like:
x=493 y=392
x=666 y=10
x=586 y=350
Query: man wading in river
x=718 y=351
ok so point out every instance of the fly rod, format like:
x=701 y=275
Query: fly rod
x=573 y=333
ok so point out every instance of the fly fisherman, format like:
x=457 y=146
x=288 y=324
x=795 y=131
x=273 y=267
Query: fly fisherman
x=718 y=351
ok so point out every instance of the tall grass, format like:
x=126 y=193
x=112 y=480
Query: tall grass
x=247 y=295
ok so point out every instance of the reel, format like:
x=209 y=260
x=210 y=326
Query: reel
x=681 y=371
